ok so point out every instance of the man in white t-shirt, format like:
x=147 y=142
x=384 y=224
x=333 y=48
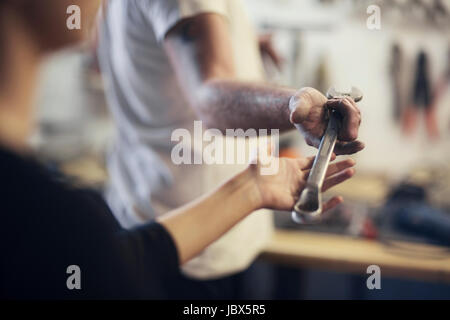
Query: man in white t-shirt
x=167 y=63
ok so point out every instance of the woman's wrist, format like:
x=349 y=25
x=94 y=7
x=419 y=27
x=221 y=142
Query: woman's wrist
x=211 y=216
x=245 y=185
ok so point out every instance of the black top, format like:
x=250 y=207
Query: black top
x=47 y=226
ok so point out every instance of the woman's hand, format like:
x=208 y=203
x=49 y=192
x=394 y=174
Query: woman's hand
x=199 y=223
x=281 y=190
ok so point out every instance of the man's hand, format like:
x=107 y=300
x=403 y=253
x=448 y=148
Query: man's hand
x=309 y=114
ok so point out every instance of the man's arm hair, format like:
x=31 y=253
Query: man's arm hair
x=200 y=51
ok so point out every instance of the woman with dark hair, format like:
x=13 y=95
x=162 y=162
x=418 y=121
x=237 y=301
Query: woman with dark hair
x=61 y=242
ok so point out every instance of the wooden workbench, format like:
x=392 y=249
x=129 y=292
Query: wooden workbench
x=347 y=254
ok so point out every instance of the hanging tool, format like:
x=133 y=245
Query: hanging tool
x=397 y=77
x=308 y=208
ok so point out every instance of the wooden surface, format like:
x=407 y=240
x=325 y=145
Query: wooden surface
x=363 y=188
x=346 y=254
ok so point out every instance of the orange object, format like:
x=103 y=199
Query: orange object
x=290 y=153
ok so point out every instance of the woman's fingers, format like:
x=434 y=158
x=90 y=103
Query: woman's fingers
x=307 y=163
x=337 y=173
x=332 y=203
x=338 y=178
x=339 y=166
x=334 y=167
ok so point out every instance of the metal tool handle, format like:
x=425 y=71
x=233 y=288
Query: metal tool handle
x=320 y=165
x=309 y=206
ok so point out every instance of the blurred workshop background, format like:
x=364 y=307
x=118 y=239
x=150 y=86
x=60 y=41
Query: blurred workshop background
x=397 y=209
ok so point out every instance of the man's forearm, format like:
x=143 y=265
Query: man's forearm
x=200 y=51
x=229 y=104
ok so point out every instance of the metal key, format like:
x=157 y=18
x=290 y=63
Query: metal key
x=308 y=208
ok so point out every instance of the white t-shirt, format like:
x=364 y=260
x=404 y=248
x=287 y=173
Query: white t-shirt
x=148 y=106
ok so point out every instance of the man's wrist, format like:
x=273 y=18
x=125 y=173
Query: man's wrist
x=297 y=106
